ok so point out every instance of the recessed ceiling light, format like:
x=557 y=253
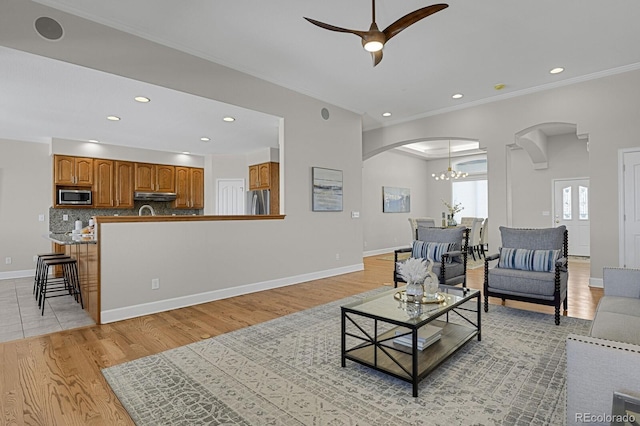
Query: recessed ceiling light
x=205 y=139
x=556 y=70
x=228 y=119
x=186 y=152
x=142 y=99
x=457 y=96
x=113 y=118
x=386 y=114
x=94 y=141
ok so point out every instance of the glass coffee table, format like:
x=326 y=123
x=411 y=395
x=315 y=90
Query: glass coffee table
x=390 y=335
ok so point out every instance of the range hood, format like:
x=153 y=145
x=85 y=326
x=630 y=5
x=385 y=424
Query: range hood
x=154 y=196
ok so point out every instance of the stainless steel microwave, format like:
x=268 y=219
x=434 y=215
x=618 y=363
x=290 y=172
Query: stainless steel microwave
x=75 y=197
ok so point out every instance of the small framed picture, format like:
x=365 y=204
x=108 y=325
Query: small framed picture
x=396 y=200
x=326 y=189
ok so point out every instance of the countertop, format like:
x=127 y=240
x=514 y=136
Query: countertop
x=68 y=239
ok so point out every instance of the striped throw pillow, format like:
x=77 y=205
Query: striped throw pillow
x=528 y=260
x=425 y=250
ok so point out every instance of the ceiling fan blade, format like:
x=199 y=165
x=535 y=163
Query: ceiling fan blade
x=412 y=18
x=334 y=28
x=377 y=57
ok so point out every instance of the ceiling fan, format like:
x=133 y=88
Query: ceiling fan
x=374 y=39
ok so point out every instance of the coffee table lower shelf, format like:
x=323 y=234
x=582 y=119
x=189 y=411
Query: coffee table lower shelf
x=397 y=360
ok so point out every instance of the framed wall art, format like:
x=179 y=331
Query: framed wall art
x=396 y=200
x=326 y=190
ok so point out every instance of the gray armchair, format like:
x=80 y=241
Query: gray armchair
x=532 y=267
x=449 y=243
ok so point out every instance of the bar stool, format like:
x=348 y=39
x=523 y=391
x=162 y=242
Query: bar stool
x=38 y=277
x=69 y=284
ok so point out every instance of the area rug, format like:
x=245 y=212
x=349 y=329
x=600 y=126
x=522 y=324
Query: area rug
x=287 y=372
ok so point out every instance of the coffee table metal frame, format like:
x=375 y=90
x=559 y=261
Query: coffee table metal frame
x=377 y=350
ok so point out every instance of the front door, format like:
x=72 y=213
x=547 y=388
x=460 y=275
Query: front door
x=571 y=208
x=231 y=196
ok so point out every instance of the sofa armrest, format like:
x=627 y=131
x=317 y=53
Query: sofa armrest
x=624 y=282
x=595 y=369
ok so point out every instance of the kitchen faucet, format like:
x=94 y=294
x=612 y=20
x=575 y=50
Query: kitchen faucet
x=153 y=213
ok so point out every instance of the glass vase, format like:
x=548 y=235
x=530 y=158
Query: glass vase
x=415 y=291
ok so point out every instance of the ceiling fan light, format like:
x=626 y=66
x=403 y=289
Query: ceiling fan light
x=373 y=46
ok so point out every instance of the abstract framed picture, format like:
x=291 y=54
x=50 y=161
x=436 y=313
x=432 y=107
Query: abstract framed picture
x=396 y=200
x=326 y=190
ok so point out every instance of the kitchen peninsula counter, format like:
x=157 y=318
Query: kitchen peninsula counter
x=84 y=248
x=183 y=218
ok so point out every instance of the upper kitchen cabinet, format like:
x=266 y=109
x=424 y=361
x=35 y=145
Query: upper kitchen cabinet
x=68 y=170
x=154 y=177
x=123 y=185
x=113 y=184
x=189 y=188
x=104 y=183
x=263 y=176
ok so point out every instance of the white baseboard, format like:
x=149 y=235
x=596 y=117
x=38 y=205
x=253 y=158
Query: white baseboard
x=596 y=282
x=120 y=314
x=382 y=251
x=17 y=274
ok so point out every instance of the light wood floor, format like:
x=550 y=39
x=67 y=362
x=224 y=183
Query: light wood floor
x=56 y=380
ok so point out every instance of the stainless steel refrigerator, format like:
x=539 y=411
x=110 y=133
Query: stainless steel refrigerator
x=258 y=202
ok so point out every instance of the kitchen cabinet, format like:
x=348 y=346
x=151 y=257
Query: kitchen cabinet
x=68 y=170
x=267 y=176
x=189 y=188
x=123 y=185
x=154 y=177
x=113 y=184
x=261 y=176
x=103 y=183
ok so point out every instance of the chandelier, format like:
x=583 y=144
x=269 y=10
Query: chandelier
x=449 y=173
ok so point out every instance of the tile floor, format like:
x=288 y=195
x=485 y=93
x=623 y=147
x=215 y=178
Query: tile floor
x=20 y=316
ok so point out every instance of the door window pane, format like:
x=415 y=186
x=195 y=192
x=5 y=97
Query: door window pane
x=566 y=203
x=583 y=202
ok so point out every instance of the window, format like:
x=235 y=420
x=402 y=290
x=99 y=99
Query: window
x=566 y=203
x=583 y=203
x=473 y=195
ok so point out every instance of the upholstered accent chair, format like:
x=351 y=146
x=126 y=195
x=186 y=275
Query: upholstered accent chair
x=448 y=249
x=532 y=267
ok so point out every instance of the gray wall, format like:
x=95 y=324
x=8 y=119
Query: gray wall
x=385 y=231
x=25 y=193
x=305 y=242
x=605 y=109
x=532 y=189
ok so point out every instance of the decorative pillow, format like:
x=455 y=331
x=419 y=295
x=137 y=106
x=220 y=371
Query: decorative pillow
x=425 y=250
x=528 y=260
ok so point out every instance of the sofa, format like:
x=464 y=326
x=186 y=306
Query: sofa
x=608 y=359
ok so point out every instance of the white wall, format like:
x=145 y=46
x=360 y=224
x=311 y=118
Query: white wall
x=605 y=109
x=385 y=231
x=25 y=193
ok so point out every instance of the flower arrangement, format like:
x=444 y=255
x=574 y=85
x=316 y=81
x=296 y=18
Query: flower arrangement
x=413 y=270
x=453 y=209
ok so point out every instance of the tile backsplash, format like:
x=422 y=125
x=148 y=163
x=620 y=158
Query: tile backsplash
x=58 y=225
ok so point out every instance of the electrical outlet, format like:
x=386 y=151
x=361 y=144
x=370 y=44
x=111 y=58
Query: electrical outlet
x=155 y=283
x=35 y=258
x=337 y=256
x=7 y=260
x=40 y=218
x=65 y=217
x=355 y=215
